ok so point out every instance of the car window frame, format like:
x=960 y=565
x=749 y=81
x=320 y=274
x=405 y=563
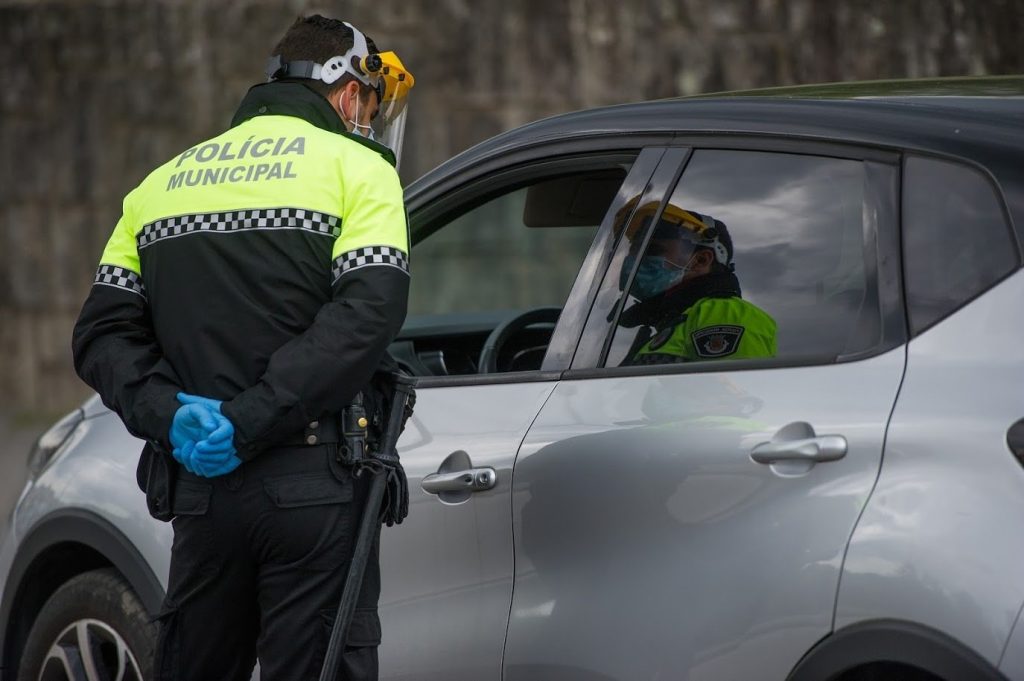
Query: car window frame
x=988 y=176
x=882 y=168
x=434 y=209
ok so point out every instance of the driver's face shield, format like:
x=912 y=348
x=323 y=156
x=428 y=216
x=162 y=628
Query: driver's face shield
x=665 y=259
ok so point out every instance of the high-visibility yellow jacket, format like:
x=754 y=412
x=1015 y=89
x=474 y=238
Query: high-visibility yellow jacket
x=266 y=267
x=712 y=328
x=703 y=319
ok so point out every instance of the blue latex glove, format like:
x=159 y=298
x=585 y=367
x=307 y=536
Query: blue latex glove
x=206 y=466
x=211 y=468
x=214 y=453
x=219 y=437
x=183 y=455
x=192 y=423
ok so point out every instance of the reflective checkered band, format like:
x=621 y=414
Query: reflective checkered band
x=119 y=277
x=370 y=255
x=240 y=220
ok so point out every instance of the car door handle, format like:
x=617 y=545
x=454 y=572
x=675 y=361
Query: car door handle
x=811 y=449
x=1015 y=439
x=470 y=480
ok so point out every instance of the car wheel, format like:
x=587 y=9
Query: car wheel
x=93 y=627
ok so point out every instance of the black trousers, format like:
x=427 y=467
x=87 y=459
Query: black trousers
x=257 y=567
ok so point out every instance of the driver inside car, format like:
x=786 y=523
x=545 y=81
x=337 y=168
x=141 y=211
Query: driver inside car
x=690 y=307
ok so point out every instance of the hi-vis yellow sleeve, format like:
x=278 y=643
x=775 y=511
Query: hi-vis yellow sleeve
x=119 y=264
x=122 y=249
x=374 y=231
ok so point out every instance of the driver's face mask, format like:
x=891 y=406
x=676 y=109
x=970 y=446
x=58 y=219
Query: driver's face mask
x=656 y=274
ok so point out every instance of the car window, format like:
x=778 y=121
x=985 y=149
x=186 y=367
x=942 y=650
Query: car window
x=756 y=255
x=956 y=239
x=514 y=252
x=493 y=258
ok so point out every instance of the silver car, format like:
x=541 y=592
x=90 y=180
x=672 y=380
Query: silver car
x=849 y=506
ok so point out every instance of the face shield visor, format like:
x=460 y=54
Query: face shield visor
x=667 y=256
x=393 y=86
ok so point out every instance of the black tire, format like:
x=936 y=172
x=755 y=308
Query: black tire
x=96 y=610
x=889 y=671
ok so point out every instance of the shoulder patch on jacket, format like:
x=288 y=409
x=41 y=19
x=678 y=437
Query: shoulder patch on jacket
x=712 y=342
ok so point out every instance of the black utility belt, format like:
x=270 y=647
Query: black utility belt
x=325 y=431
x=347 y=430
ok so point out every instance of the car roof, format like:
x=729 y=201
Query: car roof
x=971 y=118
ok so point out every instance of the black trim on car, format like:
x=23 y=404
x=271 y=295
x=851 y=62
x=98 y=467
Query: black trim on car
x=68 y=528
x=566 y=338
x=703 y=367
x=882 y=192
x=595 y=336
x=787 y=144
x=487 y=379
x=450 y=176
x=894 y=641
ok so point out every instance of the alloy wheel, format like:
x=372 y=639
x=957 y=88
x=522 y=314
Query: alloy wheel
x=89 y=650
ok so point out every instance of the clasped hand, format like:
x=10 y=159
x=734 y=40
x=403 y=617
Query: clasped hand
x=202 y=437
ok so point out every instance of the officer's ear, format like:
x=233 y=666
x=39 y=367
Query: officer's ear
x=342 y=98
x=703 y=259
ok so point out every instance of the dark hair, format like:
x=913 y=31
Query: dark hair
x=317 y=38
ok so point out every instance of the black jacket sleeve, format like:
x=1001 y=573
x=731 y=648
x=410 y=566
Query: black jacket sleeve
x=321 y=370
x=116 y=353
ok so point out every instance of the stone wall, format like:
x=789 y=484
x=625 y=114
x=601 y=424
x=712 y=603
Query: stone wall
x=94 y=93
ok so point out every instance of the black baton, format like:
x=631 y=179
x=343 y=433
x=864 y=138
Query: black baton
x=402 y=386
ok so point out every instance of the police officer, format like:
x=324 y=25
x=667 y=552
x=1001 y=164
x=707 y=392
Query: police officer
x=249 y=292
x=690 y=306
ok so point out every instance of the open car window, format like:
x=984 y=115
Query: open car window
x=509 y=255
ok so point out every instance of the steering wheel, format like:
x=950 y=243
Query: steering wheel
x=502 y=332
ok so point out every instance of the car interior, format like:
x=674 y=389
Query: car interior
x=489 y=283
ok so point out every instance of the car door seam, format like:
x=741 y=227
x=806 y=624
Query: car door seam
x=511 y=509
x=874 y=485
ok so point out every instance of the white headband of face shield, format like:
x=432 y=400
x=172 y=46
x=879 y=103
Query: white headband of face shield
x=336 y=67
x=331 y=70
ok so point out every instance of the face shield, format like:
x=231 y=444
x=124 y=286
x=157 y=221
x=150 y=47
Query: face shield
x=383 y=72
x=393 y=86
x=667 y=256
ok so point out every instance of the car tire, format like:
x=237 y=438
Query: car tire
x=94 y=619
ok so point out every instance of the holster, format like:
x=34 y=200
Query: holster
x=374 y=404
x=386 y=403
x=156 y=474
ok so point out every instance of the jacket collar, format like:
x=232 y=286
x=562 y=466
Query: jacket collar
x=292 y=98
x=666 y=309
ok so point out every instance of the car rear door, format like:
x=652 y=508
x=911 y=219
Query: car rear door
x=447 y=570
x=689 y=520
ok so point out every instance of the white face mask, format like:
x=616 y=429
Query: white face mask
x=364 y=130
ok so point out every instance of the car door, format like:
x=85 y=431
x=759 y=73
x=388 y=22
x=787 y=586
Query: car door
x=688 y=520
x=501 y=243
